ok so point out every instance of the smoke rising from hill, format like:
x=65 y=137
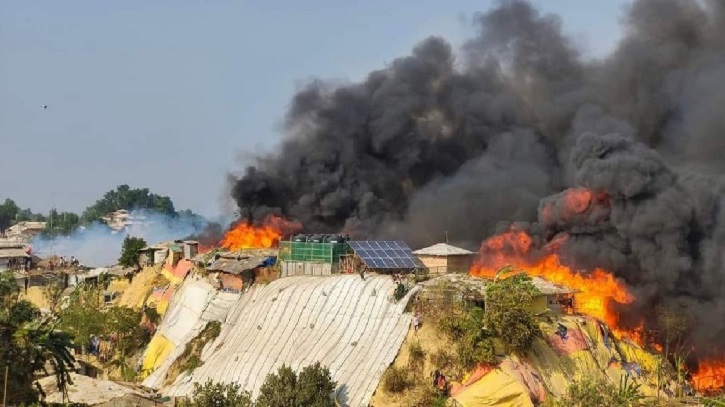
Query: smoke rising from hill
x=458 y=141
x=97 y=245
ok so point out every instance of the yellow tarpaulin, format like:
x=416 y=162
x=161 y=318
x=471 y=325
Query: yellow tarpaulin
x=156 y=353
x=495 y=389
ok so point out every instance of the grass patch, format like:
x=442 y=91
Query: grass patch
x=416 y=356
x=190 y=359
x=396 y=380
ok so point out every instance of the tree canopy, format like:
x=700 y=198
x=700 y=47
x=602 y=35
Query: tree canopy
x=10 y=213
x=312 y=388
x=125 y=197
x=130 y=251
x=29 y=343
x=508 y=311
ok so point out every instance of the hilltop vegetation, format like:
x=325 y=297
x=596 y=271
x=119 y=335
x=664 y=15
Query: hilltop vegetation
x=123 y=197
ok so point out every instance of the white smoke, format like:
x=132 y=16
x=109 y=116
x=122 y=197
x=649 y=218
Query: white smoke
x=98 y=245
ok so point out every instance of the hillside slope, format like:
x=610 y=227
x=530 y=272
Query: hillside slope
x=350 y=325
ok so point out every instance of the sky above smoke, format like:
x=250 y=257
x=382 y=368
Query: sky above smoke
x=459 y=140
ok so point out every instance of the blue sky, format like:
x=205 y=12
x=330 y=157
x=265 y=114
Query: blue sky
x=176 y=94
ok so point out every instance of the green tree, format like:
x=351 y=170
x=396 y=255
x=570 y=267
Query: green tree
x=313 y=388
x=130 y=251
x=82 y=317
x=508 y=311
x=124 y=197
x=9 y=210
x=62 y=223
x=124 y=324
x=217 y=394
x=29 y=343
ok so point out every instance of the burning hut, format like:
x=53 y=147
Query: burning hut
x=442 y=258
x=233 y=271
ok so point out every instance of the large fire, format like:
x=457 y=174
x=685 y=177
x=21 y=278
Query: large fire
x=710 y=375
x=598 y=290
x=244 y=235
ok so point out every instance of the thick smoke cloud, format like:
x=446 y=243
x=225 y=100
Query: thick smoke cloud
x=457 y=141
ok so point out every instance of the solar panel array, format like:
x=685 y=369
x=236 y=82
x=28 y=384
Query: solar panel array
x=392 y=254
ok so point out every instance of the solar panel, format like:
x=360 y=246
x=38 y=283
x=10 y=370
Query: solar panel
x=385 y=254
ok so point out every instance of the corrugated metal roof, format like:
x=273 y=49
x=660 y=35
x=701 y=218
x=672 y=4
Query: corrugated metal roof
x=11 y=252
x=442 y=249
x=548 y=288
x=236 y=265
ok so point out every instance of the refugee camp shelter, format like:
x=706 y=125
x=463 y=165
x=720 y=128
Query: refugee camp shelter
x=553 y=298
x=442 y=258
x=174 y=250
x=24 y=230
x=312 y=255
x=233 y=271
x=12 y=256
x=384 y=256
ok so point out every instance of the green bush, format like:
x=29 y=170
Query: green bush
x=416 y=355
x=312 y=388
x=442 y=359
x=395 y=380
x=588 y=393
x=507 y=312
x=217 y=394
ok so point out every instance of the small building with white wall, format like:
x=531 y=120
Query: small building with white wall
x=442 y=258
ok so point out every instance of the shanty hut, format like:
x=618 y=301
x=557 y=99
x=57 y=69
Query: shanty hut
x=553 y=298
x=13 y=256
x=236 y=270
x=442 y=258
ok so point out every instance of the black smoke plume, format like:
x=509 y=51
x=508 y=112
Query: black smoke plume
x=458 y=141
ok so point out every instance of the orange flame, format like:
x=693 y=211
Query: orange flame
x=710 y=375
x=247 y=236
x=598 y=291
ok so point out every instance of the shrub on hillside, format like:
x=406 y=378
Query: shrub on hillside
x=416 y=354
x=217 y=394
x=312 y=388
x=508 y=314
x=601 y=393
x=395 y=380
x=442 y=359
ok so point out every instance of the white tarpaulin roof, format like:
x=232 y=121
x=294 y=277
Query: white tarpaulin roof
x=195 y=304
x=442 y=249
x=347 y=324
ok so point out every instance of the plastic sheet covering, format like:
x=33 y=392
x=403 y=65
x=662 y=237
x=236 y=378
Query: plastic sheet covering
x=573 y=342
x=343 y=322
x=194 y=305
x=158 y=350
x=526 y=375
x=496 y=388
x=176 y=274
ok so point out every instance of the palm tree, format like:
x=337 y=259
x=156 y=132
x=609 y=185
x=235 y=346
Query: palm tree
x=44 y=345
x=28 y=343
